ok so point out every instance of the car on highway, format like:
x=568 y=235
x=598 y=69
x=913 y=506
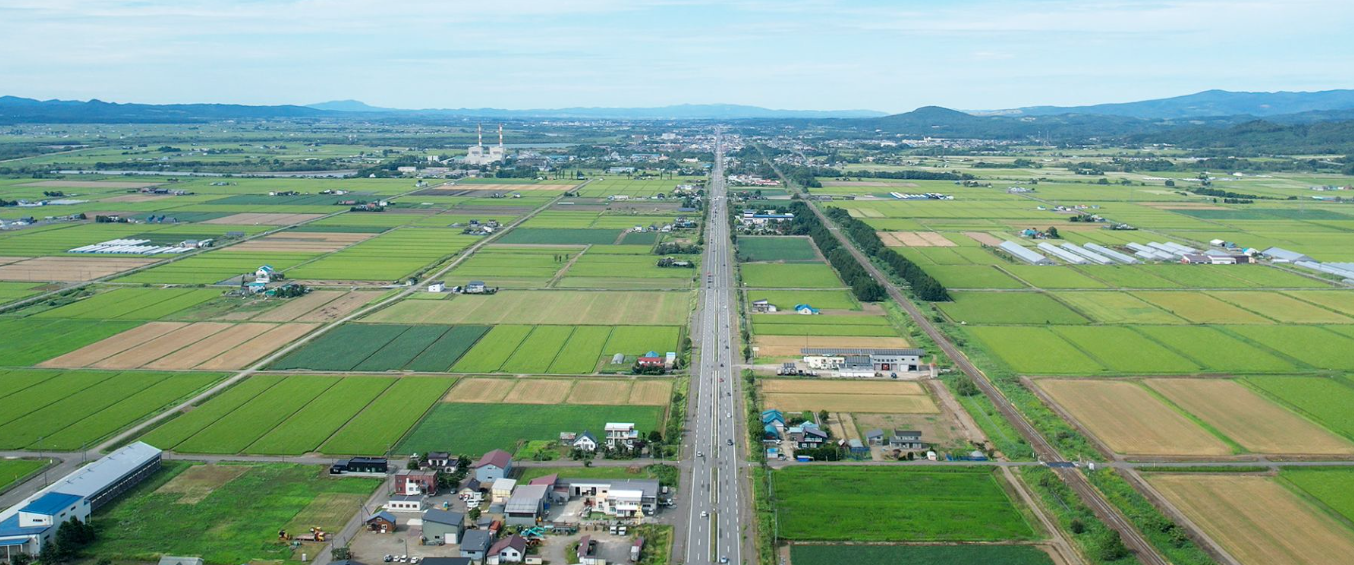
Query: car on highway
x=730 y=442
x=705 y=514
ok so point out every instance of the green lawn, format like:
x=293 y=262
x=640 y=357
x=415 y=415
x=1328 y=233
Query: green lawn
x=893 y=504
x=236 y=523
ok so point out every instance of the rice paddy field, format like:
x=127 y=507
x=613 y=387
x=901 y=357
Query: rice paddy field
x=835 y=503
x=299 y=414
x=476 y=428
x=819 y=554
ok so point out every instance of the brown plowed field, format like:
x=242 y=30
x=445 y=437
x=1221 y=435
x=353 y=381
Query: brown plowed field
x=262 y=219
x=651 y=393
x=789 y=345
x=1256 y=519
x=296 y=307
x=480 y=390
x=606 y=392
x=98 y=351
x=340 y=307
x=1131 y=420
x=159 y=347
x=190 y=357
x=255 y=349
x=1249 y=419
x=68 y=269
x=539 y=392
x=983 y=238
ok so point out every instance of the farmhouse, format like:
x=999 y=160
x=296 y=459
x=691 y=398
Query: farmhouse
x=263 y=274
x=441 y=460
x=621 y=433
x=437 y=286
x=475 y=544
x=525 y=506
x=650 y=359
x=475 y=287
x=492 y=466
x=359 y=465
x=416 y=482
x=510 y=549
x=874 y=437
x=381 y=523
x=763 y=306
x=28 y=526
x=441 y=527
x=585 y=442
x=807 y=436
x=906 y=439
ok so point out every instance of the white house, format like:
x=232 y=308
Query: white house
x=585 y=442
x=437 y=286
x=623 y=433
x=264 y=274
x=406 y=503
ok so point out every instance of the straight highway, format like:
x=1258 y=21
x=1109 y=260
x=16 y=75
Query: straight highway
x=714 y=532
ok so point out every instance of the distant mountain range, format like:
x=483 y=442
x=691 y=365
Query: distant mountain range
x=675 y=112
x=14 y=109
x=1209 y=103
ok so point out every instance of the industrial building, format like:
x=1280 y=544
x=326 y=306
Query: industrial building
x=29 y=525
x=863 y=362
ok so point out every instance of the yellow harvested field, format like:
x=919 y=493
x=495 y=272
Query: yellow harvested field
x=480 y=390
x=103 y=349
x=606 y=392
x=323 y=242
x=262 y=219
x=651 y=392
x=539 y=391
x=222 y=342
x=295 y=307
x=255 y=349
x=1249 y=419
x=842 y=386
x=68 y=269
x=789 y=345
x=871 y=403
x=1256 y=519
x=1129 y=419
x=140 y=355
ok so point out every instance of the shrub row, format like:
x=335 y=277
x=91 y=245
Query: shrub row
x=862 y=285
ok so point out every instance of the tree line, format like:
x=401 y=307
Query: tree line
x=923 y=285
x=862 y=285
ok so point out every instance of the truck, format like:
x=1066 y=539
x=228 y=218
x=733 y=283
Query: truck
x=636 y=548
x=803 y=458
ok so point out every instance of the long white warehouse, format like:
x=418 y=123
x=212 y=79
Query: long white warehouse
x=1091 y=255
x=1026 y=255
x=1112 y=254
x=1060 y=253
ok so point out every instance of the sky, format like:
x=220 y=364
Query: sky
x=890 y=56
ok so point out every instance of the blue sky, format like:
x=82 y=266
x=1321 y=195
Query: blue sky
x=797 y=54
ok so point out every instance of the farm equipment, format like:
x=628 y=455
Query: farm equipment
x=534 y=532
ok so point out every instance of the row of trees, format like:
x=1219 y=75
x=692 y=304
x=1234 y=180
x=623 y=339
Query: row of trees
x=923 y=284
x=862 y=285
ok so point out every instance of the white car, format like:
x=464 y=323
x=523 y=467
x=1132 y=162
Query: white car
x=705 y=514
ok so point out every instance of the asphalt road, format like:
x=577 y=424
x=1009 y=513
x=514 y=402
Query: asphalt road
x=714 y=531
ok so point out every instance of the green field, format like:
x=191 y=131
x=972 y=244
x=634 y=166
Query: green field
x=384 y=347
x=133 y=304
x=1117 y=308
x=782 y=249
x=882 y=504
x=788 y=275
x=1201 y=308
x=820 y=299
x=1333 y=487
x=918 y=554
x=25 y=342
x=822 y=325
x=274 y=415
x=72 y=410
x=561 y=236
x=473 y=429
x=561 y=307
x=1323 y=399
x=386 y=257
x=236 y=523
x=1317 y=347
x=1123 y=350
x=1215 y=350
x=14 y=470
x=1035 y=350
x=215 y=266
x=1009 y=308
